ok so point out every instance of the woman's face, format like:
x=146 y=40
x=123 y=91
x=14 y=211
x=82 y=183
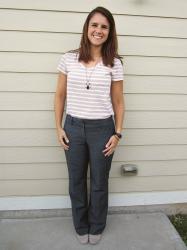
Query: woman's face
x=98 y=29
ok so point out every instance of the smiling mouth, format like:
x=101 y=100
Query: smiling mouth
x=97 y=37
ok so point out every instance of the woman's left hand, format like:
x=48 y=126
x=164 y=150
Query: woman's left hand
x=111 y=145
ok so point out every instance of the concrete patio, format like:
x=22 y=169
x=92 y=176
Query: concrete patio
x=137 y=231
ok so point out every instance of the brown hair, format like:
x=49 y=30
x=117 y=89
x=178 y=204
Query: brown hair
x=110 y=46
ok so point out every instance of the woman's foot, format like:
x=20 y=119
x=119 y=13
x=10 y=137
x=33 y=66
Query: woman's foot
x=94 y=238
x=83 y=239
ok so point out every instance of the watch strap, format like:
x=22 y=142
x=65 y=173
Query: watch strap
x=119 y=135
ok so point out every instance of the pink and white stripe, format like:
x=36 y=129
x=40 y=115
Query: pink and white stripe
x=93 y=103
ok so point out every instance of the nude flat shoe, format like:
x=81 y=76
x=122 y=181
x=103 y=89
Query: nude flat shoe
x=94 y=238
x=83 y=239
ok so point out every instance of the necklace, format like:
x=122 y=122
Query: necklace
x=88 y=84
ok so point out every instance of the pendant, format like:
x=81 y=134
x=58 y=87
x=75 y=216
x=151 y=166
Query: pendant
x=87 y=85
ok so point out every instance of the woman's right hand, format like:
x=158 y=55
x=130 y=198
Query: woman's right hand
x=62 y=138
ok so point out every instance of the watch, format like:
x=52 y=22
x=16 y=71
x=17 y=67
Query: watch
x=118 y=135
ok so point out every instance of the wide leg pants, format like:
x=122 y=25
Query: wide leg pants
x=87 y=140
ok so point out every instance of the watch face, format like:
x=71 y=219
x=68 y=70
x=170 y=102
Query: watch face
x=119 y=135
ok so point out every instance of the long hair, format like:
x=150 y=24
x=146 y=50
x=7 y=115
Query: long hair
x=110 y=46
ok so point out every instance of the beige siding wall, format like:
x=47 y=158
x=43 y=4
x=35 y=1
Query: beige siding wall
x=153 y=39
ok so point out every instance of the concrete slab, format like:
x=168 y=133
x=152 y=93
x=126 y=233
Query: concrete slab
x=140 y=231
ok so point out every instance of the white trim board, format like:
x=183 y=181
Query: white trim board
x=115 y=199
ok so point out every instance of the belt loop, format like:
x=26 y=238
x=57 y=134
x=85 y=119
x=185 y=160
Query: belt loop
x=71 y=120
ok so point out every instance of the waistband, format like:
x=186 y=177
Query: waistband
x=77 y=120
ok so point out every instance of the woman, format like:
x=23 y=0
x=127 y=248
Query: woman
x=91 y=82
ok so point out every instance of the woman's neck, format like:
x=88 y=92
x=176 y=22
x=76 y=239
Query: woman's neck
x=96 y=53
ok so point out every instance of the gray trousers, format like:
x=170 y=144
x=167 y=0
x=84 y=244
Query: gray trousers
x=87 y=140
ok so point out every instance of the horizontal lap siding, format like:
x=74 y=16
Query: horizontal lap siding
x=51 y=21
x=52 y=42
x=134 y=119
x=47 y=137
x=45 y=101
x=58 y=170
x=116 y=185
x=152 y=40
x=133 y=83
x=124 y=153
x=36 y=62
x=166 y=8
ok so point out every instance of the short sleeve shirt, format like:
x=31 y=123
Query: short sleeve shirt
x=95 y=102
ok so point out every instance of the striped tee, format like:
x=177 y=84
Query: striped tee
x=93 y=103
